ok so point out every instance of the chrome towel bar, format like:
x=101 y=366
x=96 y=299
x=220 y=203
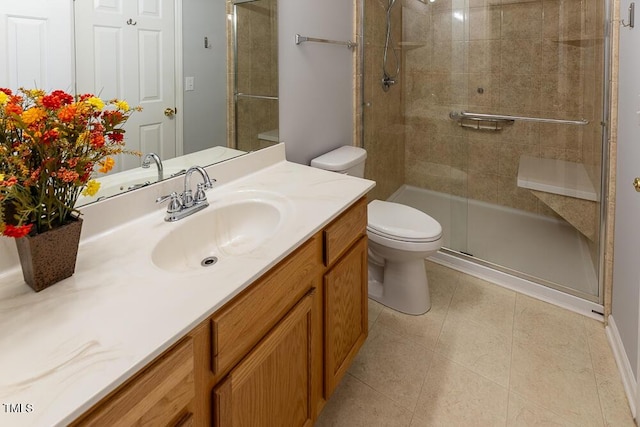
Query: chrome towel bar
x=246 y=95
x=301 y=39
x=464 y=115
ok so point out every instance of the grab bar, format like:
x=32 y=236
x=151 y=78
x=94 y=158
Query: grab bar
x=466 y=120
x=301 y=39
x=455 y=115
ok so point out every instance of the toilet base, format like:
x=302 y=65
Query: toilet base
x=404 y=286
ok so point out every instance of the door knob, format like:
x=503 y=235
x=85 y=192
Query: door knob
x=636 y=184
x=169 y=112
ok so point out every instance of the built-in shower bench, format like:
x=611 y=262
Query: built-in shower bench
x=563 y=186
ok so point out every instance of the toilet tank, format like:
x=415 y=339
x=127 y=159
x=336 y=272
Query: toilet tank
x=346 y=159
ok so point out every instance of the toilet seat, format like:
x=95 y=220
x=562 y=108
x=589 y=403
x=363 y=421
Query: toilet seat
x=401 y=223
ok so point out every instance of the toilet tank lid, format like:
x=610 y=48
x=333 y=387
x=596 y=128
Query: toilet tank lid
x=340 y=159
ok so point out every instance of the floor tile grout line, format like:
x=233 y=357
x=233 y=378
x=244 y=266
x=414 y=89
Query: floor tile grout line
x=424 y=380
x=595 y=377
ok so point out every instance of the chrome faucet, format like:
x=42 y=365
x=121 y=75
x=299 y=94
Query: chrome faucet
x=146 y=163
x=185 y=204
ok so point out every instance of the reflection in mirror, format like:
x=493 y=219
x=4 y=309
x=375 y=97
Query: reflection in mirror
x=256 y=76
x=185 y=90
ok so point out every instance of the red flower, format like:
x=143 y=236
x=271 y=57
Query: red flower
x=50 y=136
x=112 y=118
x=63 y=96
x=6 y=91
x=116 y=136
x=51 y=101
x=17 y=231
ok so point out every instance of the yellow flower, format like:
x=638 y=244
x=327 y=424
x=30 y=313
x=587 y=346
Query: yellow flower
x=107 y=165
x=34 y=93
x=92 y=188
x=33 y=115
x=121 y=105
x=1 y=174
x=96 y=102
x=3 y=98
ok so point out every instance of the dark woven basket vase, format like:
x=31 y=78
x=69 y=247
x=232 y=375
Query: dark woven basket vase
x=49 y=257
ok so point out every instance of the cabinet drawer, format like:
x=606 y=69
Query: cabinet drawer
x=346 y=229
x=158 y=396
x=245 y=320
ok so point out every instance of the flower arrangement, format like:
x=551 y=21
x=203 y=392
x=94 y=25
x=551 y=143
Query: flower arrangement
x=51 y=146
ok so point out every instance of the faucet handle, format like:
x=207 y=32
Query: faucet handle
x=201 y=196
x=174 y=204
x=208 y=184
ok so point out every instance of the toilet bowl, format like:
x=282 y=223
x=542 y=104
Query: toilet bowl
x=400 y=238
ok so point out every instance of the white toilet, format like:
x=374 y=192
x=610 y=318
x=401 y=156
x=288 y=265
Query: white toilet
x=400 y=237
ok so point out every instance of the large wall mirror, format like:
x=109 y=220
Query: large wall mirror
x=204 y=71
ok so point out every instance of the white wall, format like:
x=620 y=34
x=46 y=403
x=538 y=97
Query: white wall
x=205 y=108
x=316 y=80
x=626 y=275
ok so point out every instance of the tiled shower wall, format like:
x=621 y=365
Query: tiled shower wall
x=384 y=131
x=257 y=72
x=531 y=58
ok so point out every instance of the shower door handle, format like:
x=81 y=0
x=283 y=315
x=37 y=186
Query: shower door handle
x=636 y=184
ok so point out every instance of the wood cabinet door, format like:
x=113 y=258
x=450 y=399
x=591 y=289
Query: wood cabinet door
x=345 y=315
x=272 y=385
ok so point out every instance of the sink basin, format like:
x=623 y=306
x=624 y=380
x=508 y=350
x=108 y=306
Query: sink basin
x=227 y=229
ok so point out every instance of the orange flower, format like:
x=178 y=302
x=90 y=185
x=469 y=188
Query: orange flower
x=67 y=113
x=12 y=109
x=33 y=114
x=67 y=176
x=107 y=165
x=97 y=139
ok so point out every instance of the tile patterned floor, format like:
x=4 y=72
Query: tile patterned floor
x=482 y=356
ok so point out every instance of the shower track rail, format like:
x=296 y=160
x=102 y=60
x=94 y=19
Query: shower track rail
x=504 y=119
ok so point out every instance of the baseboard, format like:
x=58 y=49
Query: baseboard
x=623 y=363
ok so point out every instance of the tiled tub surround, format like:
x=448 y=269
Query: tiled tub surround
x=65 y=348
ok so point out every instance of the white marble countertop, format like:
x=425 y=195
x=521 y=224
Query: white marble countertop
x=63 y=349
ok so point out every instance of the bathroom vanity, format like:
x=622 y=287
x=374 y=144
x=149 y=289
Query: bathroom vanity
x=145 y=338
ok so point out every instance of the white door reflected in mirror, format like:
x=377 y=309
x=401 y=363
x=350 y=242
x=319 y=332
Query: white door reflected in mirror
x=126 y=51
